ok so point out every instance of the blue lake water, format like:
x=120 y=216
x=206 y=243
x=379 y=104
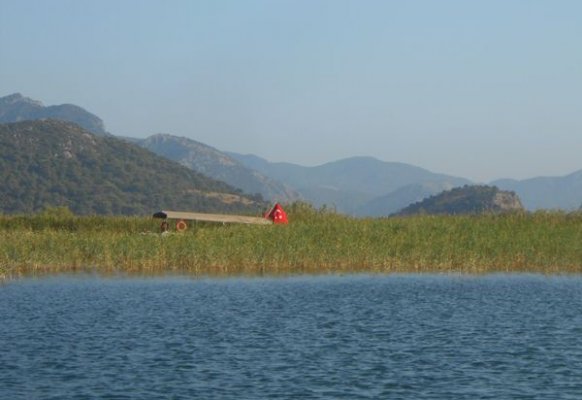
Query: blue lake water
x=333 y=337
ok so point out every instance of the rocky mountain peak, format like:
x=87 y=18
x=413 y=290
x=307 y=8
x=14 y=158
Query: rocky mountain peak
x=16 y=98
x=16 y=108
x=507 y=201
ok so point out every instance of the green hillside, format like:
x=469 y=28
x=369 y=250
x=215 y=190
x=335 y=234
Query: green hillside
x=55 y=163
x=466 y=200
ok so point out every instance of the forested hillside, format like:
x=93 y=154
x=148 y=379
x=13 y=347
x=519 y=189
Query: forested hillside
x=467 y=200
x=55 y=163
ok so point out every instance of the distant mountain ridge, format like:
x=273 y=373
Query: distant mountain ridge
x=56 y=163
x=17 y=108
x=403 y=197
x=218 y=165
x=361 y=186
x=403 y=185
x=561 y=192
x=354 y=185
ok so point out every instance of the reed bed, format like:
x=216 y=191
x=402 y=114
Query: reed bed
x=316 y=241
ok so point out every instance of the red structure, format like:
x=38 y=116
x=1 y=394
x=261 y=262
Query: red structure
x=277 y=215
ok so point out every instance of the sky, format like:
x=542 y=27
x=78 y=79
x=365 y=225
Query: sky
x=478 y=89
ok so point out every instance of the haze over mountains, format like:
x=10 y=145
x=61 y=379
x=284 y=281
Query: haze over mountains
x=218 y=165
x=361 y=186
x=355 y=185
x=559 y=192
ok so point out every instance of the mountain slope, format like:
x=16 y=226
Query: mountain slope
x=402 y=197
x=563 y=192
x=218 y=165
x=16 y=108
x=466 y=200
x=56 y=163
x=351 y=183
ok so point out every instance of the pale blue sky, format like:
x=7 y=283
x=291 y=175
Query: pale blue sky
x=479 y=89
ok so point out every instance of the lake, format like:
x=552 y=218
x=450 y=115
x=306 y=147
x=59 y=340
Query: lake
x=307 y=337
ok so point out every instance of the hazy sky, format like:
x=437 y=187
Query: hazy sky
x=479 y=89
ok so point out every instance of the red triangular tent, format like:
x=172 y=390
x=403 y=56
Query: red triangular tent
x=277 y=215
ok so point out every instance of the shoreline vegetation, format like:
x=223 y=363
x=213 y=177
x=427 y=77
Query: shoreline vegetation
x=316 y=241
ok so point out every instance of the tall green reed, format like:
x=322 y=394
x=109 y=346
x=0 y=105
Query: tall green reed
x=316 y=240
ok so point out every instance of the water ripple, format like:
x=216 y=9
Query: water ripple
x=359 y=337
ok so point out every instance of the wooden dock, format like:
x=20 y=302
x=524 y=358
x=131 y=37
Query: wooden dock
x=224 y=218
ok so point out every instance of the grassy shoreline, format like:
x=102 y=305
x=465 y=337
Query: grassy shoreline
x=316 y=241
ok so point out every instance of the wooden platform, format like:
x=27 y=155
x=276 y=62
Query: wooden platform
x=224 y=218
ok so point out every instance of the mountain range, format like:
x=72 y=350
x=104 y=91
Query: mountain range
x=218 y=165
x=361 y=186
x=558 y=192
